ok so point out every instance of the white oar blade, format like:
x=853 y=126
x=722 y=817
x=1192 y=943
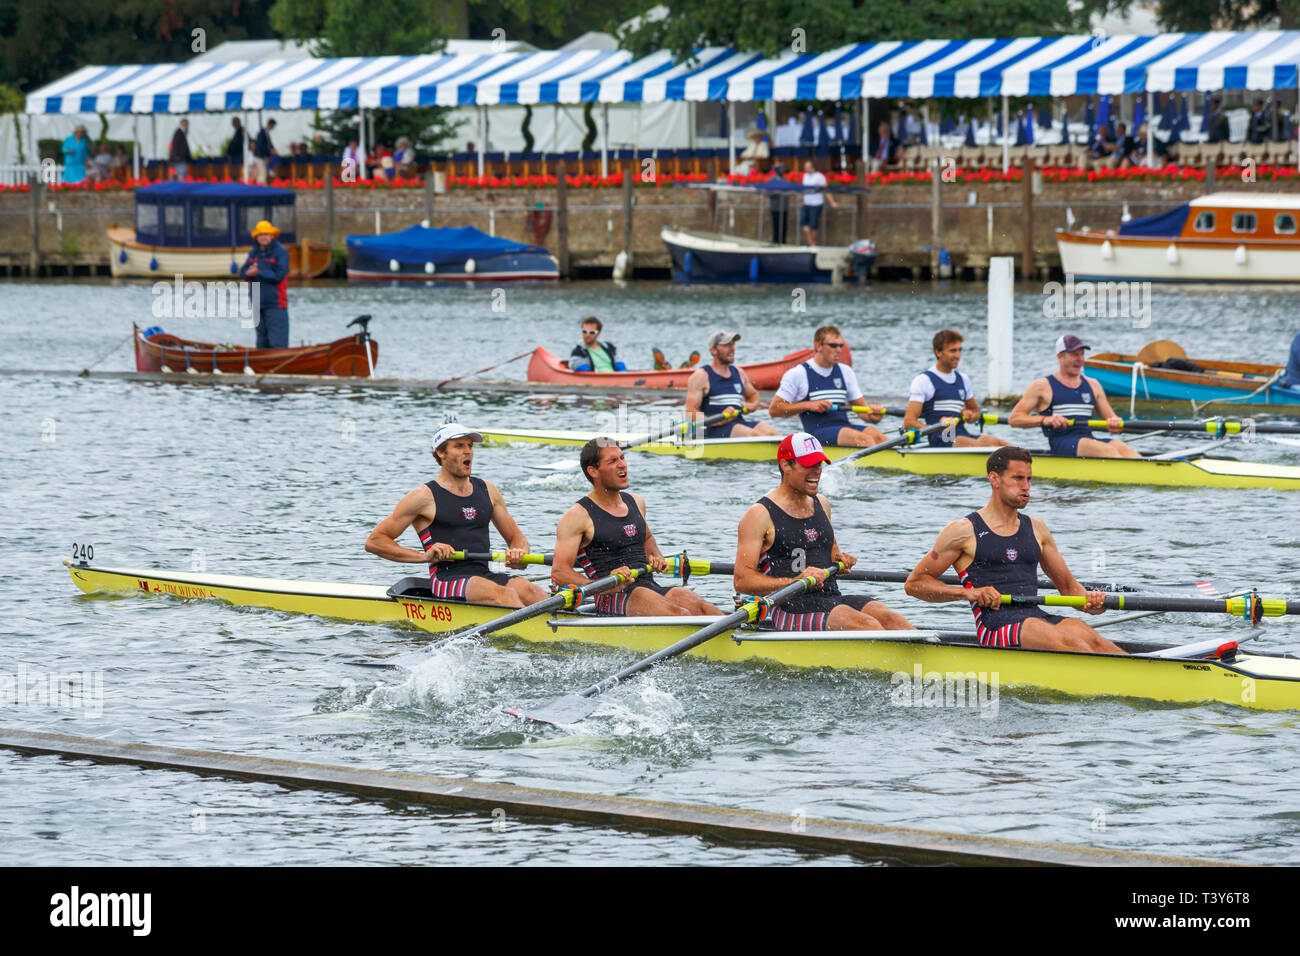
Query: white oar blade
x=571 y=465
x=569 y=709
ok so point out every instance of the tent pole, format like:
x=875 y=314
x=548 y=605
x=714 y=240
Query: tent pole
x=1006 y=131
x=555 y=128
x=865 y=140
x=481 y=133
x=361 y=140
x=731 y=134
x=1151 y=136
x=135 y=147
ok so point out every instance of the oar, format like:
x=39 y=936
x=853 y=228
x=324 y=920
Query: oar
x=682 y=428
x=699 y=566
x=500 y=556
x=1211 y=426
x=574 y=707
x=909 y=436
x=868 y=409
x=1251 y=606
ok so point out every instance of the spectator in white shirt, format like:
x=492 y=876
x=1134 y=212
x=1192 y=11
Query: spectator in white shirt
x=811 y=213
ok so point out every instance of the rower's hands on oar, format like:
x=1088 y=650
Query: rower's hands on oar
x=514 y=558
x=658 y=563
x=986 y=597
x=626 y=574
x=440 y=551
x=1055 y=421
x=1114 y=424
x=1096 y=602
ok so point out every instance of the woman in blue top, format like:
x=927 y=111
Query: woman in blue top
x=76 y=150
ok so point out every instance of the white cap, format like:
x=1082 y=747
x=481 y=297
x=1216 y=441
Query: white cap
x=453 y=430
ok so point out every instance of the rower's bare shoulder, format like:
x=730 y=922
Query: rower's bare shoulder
x=755 y=518
x=957 y=533
x=640 y=501
x=1041 y=531
x=418 y=501
x=826 y=503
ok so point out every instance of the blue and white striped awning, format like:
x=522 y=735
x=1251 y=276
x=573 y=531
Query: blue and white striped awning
x=1262 y=60
x=571 y=76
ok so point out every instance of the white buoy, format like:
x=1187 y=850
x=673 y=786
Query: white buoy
x=424 y=223
x=1171 y=254
x=1126 y=215
x=393 y=265
x=1107 y=253
x=620 y=265
x=430 y=268
x=1001 y=313
x=470 y=266
x=1069 y=218
x=1240 y=255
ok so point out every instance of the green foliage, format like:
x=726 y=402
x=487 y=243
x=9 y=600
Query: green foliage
x=546 y=23
x=1195 y=16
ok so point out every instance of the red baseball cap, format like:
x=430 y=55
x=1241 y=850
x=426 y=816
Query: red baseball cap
x=803 y=448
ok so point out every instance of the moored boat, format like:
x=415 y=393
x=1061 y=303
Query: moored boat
x=1191 y=468
x=1259 y=681
x=423 y=254
x=1182 y=379
x=202 y=231
x=1220 y=237
x=715 y=257
x=547 y=367
x=354 y=355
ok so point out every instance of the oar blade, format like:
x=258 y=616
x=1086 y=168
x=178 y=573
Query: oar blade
x=569 y=709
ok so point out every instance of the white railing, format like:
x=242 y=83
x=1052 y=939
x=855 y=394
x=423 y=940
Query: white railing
x=16 y=174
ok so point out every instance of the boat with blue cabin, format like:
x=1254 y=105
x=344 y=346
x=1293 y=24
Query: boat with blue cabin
x=424 y=254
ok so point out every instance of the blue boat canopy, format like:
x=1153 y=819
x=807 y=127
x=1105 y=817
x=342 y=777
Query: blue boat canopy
x=420 y=244
x=210 y=215
x=1162 y=224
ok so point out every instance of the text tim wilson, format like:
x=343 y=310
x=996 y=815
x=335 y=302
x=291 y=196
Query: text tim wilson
x=102 y=909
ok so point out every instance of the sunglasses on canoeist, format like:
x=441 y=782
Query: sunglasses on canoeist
x=833 y=345
x=589 y=331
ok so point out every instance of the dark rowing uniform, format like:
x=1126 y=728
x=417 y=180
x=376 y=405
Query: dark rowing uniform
x=1077 y=403
x=616 y=542
x=722 y=394
x=800 y=544
x=1010 y=564
x=461 y=522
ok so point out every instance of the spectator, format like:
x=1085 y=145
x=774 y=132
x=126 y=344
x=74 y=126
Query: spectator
x=103 y=169
x=884 y=154
x=779 y=205
x=268 y=266
x=235 y=148
x=1261 y=125
x=121 y=163
x=354 y=163
x=1125 y=149
x=756 y=153
x=76 y=151
x=263 y=151
x=378 y=168
x=404 y=157
x=1103 y=144
x=811 y=213
x=1218 y=122
x=180 y=151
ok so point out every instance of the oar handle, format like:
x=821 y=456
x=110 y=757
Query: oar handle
x=1251 y=606
x=499 y=556
x=909 y=437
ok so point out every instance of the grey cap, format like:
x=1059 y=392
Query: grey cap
x=723 y=337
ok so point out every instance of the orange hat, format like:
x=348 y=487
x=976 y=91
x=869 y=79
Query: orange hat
x=265 y=227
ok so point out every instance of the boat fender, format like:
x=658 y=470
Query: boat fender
x=686 y=264
x=121 y=257
x=1107 y=253
x=1171 y=254
x=620 y=265
x=753 y=269
x=470 y=266
x=1240 y=255
x=393 y=265
x=234 y=269
x=153 y=265
x=430 y=268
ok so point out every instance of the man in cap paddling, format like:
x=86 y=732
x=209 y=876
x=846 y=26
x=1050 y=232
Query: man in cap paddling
x=606 y=533
x=452 y=513
x=996 y=551
x=1069 y=395
x=788 y=535
x=267 y=267
x=942 y=391
x=820 y=392
x=720 y=385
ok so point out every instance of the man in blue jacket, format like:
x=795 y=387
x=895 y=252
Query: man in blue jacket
x=1291 y=377
x=268 y=267
x=593 y=355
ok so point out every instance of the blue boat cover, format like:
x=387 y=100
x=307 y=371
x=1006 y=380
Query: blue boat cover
x=213 y=193
x=421 y=244
x=1168 y=224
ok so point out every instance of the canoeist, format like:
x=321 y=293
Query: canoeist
x=1053 y=401
x=820 y=392
x=452 y=513
x=788 y=535
x=996 y=551
x=941 y=391
x=606 y=533
x=720 y=385
x=593 y=355
x=267 y=267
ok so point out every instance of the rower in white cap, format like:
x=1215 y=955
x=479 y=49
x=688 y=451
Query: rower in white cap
x=451 y=513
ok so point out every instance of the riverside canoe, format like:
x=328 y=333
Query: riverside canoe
x=942 y=658
x=765 y=376
x=158 y=351
x=1220 y=382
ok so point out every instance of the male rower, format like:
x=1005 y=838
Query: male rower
x=820 y=392
x=942 y=391
x=593 y=355
x=996 y=551
x=452 y=513
x=721 y=385
x=1069 y=394
x=788 y=535
x=606 y=533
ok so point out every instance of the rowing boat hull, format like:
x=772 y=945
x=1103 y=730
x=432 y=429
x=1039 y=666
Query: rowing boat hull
x=1201 y=472
x=1222 y=382
x=168 y=353
x=1260 y=682
x=546 y=367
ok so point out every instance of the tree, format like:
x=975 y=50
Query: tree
x=1196 y=16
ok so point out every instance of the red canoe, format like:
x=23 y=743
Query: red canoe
x=161 y=352
x=766 y=376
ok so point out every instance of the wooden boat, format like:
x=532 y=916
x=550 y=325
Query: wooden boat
x=1190 y=468
x=156 y=351
x=422 y=254
x=1242 y=679
x=202 y=231
x=766 y=376
x=1137 y=376
x=1222 y=237
x=715 y=257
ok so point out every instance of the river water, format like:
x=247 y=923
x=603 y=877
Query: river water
x=288 y=483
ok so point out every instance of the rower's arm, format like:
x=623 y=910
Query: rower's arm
x=652 y=551
x=973 y=409
x=780 y=408
x=923 y=583
x=1036 y=398
x=1053 y=564
x=504 y=522
x=1104 y=408
x=753 y=537
x=752 y=399
x=912 y=415
x=696 y=389
x=383 y=539
x=574 y=530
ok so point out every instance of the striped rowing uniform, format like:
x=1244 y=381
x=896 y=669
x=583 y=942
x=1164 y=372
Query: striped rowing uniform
x=942 y=399
x=462 y=522
x=617 y=541
x=809 y=382
x=1010 y=564
x=1077 y=403
x=722 y=394
x=800 y=544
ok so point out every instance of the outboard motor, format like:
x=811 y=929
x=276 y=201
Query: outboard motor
x=862 y=255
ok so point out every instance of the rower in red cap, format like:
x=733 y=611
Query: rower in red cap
x=788 y=535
